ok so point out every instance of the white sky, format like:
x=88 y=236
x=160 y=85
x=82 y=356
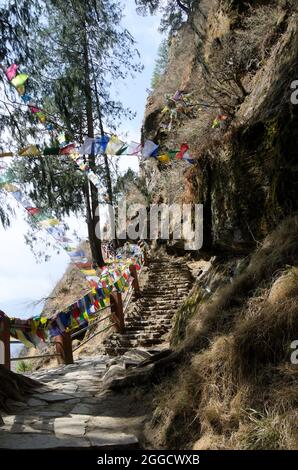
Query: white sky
x=23 y=281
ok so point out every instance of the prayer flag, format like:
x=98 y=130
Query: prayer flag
x=10 y=188
x=86 y=147
x=165 y=158
x=41 y=116
x=21 y=90
x=149 y=148
x=26 y=98
x=114 y=145
x=62 y=139
x=67 y=150
x=100 y=144
x=30 y=151
x=183 y=149
x=51 y=151
x=11 y=72
x=34 y=109
x=33 y=210
x=49 y=222
x=134 y=148
x=19 y=80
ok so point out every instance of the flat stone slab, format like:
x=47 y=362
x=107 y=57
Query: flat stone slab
x=49 y=414
x=35 y=402
x=112 y=440
x=53 y=397
x=33 y=426
x=74 y=426
x=83 y=409
x=39 y=441
x=114 y=371
x=18 y=404
x=70 y=409
x=70 y=388
x=107 y=423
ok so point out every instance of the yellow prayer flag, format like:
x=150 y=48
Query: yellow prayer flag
x=10 y=188
x=19 y=80
x=21 y=337
x=49 y=222
x=114 y=145
x=41 y=116
x=30 y=151
x=21 y=90
x=89 y=272
x=74 y=155
x=164 y=158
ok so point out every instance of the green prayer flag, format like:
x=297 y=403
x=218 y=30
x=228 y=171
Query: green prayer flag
x=51 y=151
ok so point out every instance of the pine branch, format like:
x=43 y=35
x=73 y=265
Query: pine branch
x=183 y=7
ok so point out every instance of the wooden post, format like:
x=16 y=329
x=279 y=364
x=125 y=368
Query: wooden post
x=64 y=348
x=146 y=258
x=135 y=282
x=4 y=341
x=117 y=311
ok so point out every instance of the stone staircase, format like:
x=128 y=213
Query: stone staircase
x=74 y=406
x=148 y=320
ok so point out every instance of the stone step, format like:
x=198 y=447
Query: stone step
x=150 y=318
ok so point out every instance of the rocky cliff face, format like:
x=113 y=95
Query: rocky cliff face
x=236 y=59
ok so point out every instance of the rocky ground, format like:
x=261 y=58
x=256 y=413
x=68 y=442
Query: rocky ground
x=86 y=404
x=74 y=407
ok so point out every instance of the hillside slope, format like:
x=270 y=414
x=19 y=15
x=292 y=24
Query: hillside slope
x=232 y=383
x=246 y=175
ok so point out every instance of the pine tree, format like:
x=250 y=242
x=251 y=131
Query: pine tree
x=80 y=48
x=174 y=12
x=161 y=62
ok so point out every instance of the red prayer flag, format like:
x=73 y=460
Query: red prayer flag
x=67 y=150
x=33 y=210
x=183 y=149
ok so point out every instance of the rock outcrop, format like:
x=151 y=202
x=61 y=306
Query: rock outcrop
x=237 y=59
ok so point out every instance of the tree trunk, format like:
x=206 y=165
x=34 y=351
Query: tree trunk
x=91 y=190
x=106 y=162
x=14 y=386
x=95 y=243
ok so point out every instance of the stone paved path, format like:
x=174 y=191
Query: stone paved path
x=73 y=409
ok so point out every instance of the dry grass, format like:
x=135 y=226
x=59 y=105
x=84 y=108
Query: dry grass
x=237 y=387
